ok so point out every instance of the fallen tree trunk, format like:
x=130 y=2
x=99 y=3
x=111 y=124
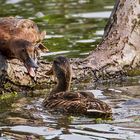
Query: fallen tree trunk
x=14 y=75
x=116 y=55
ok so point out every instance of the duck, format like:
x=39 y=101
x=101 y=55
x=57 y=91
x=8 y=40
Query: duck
x=21 y=39
x=61 y=99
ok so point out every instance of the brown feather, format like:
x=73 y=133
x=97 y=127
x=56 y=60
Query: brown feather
x=83 y=103
x=21 y=39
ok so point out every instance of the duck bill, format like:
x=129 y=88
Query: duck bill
x=31 y=66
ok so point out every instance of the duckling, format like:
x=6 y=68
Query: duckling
x=21 y=39
x=60 y=99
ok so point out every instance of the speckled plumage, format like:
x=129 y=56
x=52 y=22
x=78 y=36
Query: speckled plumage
x=79 y=103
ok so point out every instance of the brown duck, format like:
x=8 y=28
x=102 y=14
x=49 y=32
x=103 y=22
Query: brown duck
x=60 y=99
x=21 y=39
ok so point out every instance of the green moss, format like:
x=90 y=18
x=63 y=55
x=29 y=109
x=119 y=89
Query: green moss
x=133 y=72
x=70 y=118
x=41 y=138
x=6 y=99
x=137 y=120
x=7 y=85
x=100 y=120
x=6 y=96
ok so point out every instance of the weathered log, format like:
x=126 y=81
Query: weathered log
x=116 y=55
x=14 y=76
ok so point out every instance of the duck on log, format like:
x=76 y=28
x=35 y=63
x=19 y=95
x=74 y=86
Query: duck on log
x=117 y=54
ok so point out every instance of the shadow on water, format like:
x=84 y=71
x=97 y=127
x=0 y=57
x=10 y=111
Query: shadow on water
x=74 y=27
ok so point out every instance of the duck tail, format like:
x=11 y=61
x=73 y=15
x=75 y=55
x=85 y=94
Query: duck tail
x=99 y=113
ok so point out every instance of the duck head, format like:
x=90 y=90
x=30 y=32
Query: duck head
x=26 y=52
x=62 y=71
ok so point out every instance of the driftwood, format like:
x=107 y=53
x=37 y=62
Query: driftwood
x=116 y=55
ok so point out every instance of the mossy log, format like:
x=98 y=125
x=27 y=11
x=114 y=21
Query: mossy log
x=14 y=75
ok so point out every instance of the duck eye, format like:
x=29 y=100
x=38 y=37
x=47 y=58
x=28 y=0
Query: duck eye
x=23 y=50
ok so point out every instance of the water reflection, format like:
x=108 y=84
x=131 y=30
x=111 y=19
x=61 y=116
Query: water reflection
x=93 y=15
x=12 y=1
x=37 y=123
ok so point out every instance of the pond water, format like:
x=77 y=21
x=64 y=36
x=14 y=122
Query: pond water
x=74 y=28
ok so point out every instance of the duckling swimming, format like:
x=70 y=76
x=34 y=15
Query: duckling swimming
x=21 y=39
x=62 y=100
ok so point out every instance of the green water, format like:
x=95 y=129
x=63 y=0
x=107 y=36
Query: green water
x=74 y=28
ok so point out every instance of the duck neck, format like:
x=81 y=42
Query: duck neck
x=62 y=85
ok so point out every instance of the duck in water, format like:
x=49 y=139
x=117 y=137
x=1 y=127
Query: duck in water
x=60 y=99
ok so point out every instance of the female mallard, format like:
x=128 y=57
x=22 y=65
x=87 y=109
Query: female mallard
x=21 y=39
x=62 y=100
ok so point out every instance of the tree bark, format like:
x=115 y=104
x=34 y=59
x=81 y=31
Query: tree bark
x=116 y=55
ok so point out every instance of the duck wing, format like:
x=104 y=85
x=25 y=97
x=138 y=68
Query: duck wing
x=77 y=103
x=6 y=26
x=66 y=102
x=13 y=28
x=65 y=106
x=98 y=108
x=95 y=106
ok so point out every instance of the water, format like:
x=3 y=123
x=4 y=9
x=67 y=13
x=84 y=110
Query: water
x=74 y=28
